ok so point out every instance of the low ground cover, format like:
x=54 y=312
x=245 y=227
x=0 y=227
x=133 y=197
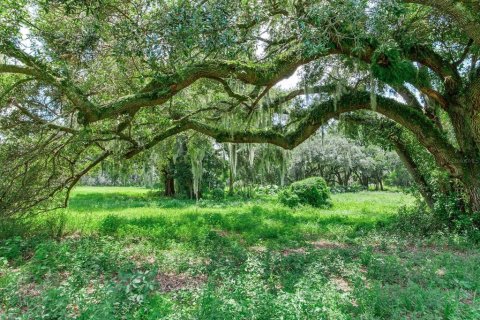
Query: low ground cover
x=125 y=253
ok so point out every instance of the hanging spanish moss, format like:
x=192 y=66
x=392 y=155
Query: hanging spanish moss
x=196 y=156
x=251 y=154
x=373 y=93
x=306 y=91
x=322 y=129
x=268 y=101
x=269 y=158
x=283 y=167
x=179 y=148
x=339 y=91
x=232 y=155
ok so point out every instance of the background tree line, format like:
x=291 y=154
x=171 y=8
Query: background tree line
x=346 y=164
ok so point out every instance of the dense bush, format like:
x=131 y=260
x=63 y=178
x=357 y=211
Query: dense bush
x=444 y=218
x=110 y=224
x=218 y=194
x=288 y=198
x=312 y=191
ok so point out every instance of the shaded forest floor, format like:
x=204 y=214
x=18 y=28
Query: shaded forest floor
x=123 y=253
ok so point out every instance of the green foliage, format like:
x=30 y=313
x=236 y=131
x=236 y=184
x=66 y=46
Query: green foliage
x=311 y=191
x=218 y=194
x=389 y=66
x=446 y=217
x=347 y=165
x=288 y=198
x=110 y=224
x=134 y=74
x=270 y=189
x=55 y=224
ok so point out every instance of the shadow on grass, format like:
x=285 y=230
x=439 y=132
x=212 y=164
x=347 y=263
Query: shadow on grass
x=249 y=226
x=95 y=201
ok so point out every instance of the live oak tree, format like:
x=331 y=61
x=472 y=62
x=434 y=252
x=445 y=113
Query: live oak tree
x=343 y=162
x=82 y=81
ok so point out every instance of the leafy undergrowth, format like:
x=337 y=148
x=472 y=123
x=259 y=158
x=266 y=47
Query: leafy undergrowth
x=122 y=254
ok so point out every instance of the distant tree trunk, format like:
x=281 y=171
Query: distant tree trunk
x=348 y=173
x=362 y=179
x=339 y=178
x=169 y=186
x=169 y=178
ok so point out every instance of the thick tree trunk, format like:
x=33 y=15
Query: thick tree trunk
x=474 y=197
x=339 y=179
x=415 y=172
x=363 y=180
x=472 y=187
x=169 y=179
x=169 y=186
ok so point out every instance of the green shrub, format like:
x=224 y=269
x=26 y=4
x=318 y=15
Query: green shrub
x=55 y=224
x=110 y=224
x=288 y=198
x=312 y=191
x=218 y=194
x=445 y=217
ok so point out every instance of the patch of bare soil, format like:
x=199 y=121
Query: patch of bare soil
x=258 y=249
x=319 y=244
x=222 y=233
x=341 y=284
x=287 y=252
x=29 y=289
x=77 y=235
x=327 y=244
x=440 y=272
x=179 y=281
x=470 y=299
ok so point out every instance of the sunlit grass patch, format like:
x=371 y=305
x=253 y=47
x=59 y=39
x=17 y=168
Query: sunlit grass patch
x=129 y=253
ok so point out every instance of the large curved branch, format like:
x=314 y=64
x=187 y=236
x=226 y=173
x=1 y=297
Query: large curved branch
x=162 y=88
x=159 y=90
x=445 y=70
x=264 y=74
x=414 y=120
x=10 y=68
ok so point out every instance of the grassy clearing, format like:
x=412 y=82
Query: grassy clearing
x=124 y=253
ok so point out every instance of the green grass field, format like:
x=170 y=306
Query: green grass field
x=124 y=253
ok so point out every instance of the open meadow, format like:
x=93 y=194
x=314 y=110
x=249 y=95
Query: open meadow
x=125 y=253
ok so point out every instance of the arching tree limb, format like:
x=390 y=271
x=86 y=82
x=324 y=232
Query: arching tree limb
x=429 y=135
